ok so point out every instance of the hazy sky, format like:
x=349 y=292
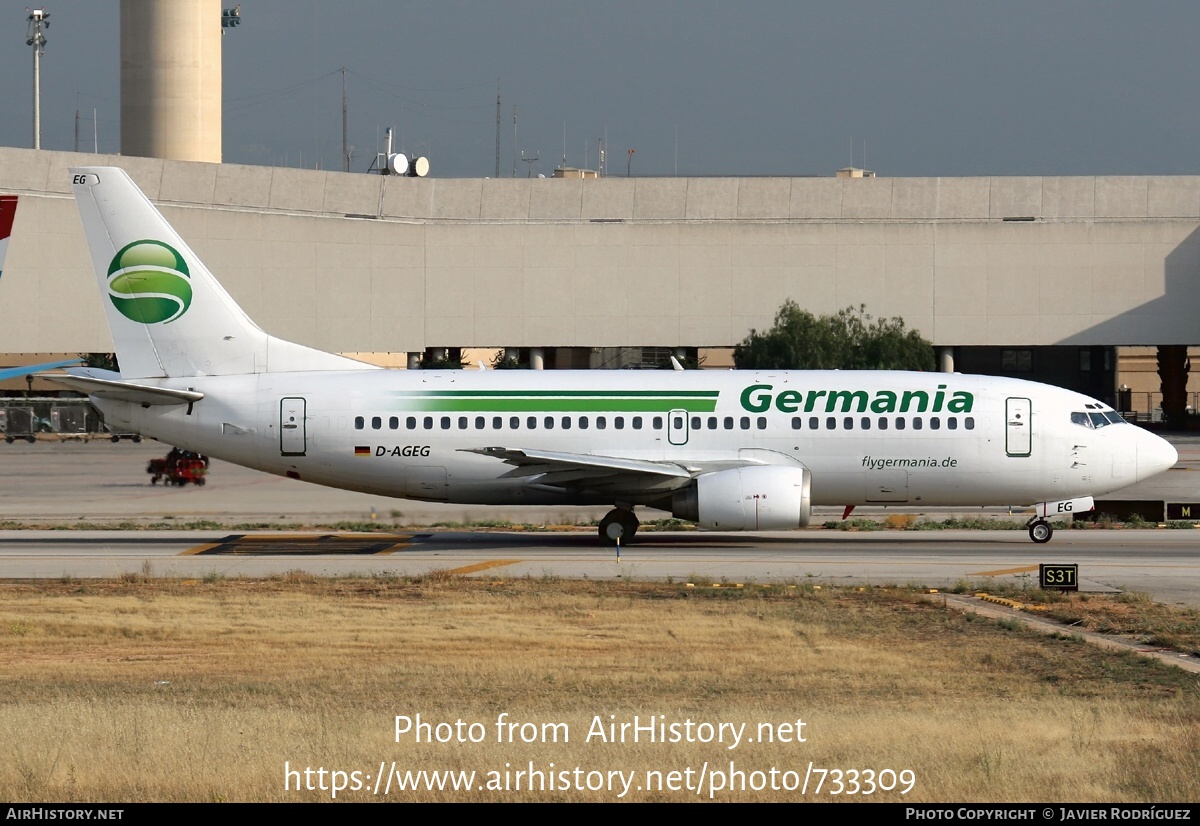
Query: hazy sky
x=1002 y=87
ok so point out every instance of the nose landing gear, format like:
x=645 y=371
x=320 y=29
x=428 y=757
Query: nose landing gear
x=1040 y=530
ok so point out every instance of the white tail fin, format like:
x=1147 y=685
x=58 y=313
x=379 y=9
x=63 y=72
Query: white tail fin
x=167 y=313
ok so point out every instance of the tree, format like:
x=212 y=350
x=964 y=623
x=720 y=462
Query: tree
x=505 y=360
x=449 y=359
x=105 y=361
x=848 y=340
x=1173 y=367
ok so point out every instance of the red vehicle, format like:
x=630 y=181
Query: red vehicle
x=178 y=468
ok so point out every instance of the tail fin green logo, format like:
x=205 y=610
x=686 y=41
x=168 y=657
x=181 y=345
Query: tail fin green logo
x=148 y=282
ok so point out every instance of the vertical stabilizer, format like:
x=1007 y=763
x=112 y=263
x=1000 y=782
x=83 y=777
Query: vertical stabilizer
x=167 y=313
x=8 y=211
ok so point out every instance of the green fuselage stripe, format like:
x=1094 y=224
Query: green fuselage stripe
x=541 y=394
x=589 y=405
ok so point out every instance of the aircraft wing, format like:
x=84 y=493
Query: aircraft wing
x=559 y=469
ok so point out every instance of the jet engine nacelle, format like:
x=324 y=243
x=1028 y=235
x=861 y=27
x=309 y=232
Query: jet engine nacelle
x=766 y=498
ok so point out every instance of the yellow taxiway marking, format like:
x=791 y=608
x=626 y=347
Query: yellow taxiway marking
x=1024 y=570
x=482 y=566
x=303 y=544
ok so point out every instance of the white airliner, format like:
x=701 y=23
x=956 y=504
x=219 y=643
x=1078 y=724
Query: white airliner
x=730 y=450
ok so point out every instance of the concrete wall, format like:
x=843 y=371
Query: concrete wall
x=358 y=263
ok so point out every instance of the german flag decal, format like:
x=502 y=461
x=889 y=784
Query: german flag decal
x=361 y=450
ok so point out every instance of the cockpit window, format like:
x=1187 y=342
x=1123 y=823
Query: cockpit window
x=1115 y=417
x=1081 y=419
x=1098 y=419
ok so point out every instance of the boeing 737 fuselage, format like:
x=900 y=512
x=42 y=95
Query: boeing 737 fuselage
x=730 y=450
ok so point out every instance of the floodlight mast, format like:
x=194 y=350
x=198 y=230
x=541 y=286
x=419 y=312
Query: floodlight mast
x=38 y=20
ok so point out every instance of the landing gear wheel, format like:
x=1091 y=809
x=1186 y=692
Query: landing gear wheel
x=619 y=524
x=1040 y=531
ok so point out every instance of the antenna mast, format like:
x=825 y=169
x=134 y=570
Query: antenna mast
x=34 y=37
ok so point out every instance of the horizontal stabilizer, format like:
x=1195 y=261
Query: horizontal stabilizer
x=123 y=391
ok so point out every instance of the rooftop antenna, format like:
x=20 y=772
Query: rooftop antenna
x=530 y=161
x=345 y=136
x=514 y=174
x=38 y=20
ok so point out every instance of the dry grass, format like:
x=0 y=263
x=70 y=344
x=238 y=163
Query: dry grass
x=168 y=690
x=1132 y=614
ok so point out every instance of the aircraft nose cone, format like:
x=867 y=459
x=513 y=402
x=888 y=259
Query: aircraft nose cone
x=1154 y=455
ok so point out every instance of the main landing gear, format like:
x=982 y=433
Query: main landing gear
x=618 y=526
x=1040 y=530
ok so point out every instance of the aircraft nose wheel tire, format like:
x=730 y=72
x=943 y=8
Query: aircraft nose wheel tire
x=618 y=525
x=1040 y=531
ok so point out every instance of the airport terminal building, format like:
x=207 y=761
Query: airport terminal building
x=1040 y=277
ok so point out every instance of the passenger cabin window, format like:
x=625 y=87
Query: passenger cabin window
x=514 y=422
x=411 y=422
x=637 y=422
x=394 y=423
x=531 y=423
x=601 y=422
x=745 y=422
x=429 y=422
x=899 y=422
x=728 y=422
x=969 y=423
x=658 y=422
x=883 y=423
x=359 y=423
x=796 y=423
x=762 y=422
x=619 y=422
